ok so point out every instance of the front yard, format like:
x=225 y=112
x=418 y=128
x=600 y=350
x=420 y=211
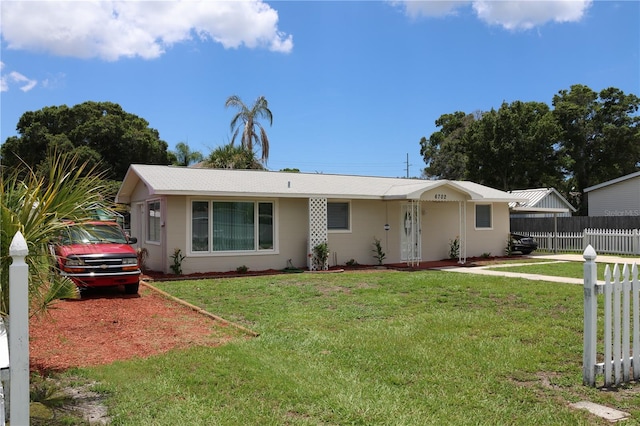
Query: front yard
x=369 y=348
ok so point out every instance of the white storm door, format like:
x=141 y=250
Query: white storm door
x=411 y=250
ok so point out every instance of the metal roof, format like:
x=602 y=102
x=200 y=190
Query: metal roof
x=173 y=180
x=533 y=199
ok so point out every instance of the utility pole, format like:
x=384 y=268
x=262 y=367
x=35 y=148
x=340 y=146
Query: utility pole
x=408 y=165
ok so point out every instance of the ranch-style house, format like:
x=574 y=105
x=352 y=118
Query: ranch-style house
x=224 y=219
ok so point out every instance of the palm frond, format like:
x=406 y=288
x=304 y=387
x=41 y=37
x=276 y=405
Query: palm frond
x=37 y=205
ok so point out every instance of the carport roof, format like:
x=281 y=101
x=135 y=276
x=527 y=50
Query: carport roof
x=174 y=180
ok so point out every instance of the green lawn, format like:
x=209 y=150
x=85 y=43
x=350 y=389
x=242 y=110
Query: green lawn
x=377 y=348
x=556 y=269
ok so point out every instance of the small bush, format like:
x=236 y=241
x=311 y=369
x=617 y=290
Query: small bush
x=378 y=254
x=320 y=256
x=454 y=248
x=178 y=258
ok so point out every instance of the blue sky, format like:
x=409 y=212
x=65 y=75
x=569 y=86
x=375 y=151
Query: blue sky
x=353 y=85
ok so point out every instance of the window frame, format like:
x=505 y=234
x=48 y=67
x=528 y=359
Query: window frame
x=210 y=227
x=348 y=216
x=157 y=224
x=477 y=216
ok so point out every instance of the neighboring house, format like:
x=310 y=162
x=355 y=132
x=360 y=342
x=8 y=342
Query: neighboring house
x=224 y=219
x=540 y=202
x=616 y=197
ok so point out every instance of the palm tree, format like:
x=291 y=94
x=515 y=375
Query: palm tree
x=36 y=205
x=184 y=155
x=233 y=157
x=248 y=118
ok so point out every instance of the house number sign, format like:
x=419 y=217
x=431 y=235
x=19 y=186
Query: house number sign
x=440 y=197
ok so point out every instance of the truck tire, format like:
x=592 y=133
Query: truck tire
x=131 y=288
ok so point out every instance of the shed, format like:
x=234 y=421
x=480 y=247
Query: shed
x=616 y=197
x=540 y=202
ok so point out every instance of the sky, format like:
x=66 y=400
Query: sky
x=353 y=85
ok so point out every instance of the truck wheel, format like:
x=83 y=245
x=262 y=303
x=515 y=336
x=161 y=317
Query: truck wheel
x=131 y=288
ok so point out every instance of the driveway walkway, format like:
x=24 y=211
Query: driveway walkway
x=552 y=258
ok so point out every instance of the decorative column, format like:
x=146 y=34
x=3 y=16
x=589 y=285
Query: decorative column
x=317 y=228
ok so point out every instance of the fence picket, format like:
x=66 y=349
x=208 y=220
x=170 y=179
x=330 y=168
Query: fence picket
x=626 y=323
x=617 y=338
x=635 y=296
x=608 y=290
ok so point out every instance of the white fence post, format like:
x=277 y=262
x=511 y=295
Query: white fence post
x=590 y=317
x=4 y=373
x=19 y=331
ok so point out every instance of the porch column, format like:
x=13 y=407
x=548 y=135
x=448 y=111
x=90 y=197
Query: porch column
x=462 y=248
x=317 y=228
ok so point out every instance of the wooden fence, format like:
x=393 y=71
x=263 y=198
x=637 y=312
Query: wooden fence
x=620 y=336
x=610 y=241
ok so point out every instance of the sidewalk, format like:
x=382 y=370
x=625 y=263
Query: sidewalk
x=575 y=257
x=484 y=270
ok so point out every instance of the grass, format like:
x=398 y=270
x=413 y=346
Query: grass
x=370 y=348
x=557 y=269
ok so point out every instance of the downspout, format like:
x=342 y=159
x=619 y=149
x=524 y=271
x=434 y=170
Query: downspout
x=163 y=233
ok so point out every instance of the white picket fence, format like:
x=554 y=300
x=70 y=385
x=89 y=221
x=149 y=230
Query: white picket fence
x=14 y=340
x=611 y=241
x=620 y=336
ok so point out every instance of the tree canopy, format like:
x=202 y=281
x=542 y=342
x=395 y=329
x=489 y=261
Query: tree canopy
x=247 y=119
x=183 y=156
x=586 y=139
x=98 y=133
x=232 y=157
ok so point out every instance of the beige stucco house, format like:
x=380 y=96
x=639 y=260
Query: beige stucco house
x=224 y=219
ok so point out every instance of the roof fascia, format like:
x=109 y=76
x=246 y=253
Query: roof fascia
x=263 y=195
x=131 y=178
x=612 y=182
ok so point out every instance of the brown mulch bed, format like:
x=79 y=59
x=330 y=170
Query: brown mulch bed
x=107 y=325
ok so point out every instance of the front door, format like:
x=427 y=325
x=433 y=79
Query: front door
x=411 y=250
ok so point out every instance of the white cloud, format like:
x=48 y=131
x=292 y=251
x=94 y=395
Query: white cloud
x=15 y=77
x=511 y=15
x=431 y=8
x=114 y=29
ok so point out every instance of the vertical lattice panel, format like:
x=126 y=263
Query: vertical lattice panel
x=317 y=227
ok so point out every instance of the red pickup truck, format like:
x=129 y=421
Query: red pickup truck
x=97 y=254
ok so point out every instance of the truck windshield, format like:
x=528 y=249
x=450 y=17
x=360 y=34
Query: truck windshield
x=93 y=234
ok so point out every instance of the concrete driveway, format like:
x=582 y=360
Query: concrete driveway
x=552 y=258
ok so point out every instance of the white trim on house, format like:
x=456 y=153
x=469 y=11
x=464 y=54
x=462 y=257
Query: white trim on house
x=612 y=181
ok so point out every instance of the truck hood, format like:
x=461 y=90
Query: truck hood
x=97 y=249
